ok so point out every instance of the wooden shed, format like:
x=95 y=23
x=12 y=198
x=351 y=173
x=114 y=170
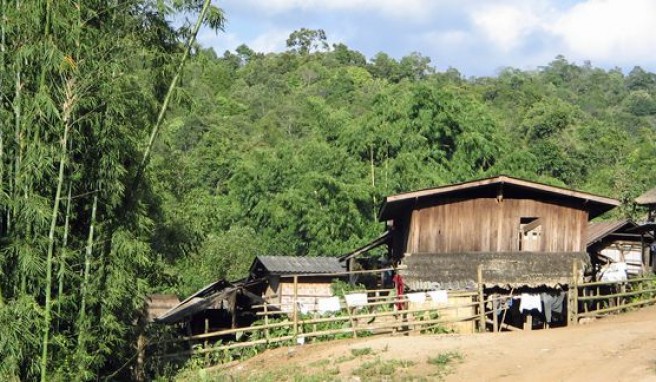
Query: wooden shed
x=219 y=305
x=619 y=242
x=522 y=233
x=648 y=200
x=314 y=279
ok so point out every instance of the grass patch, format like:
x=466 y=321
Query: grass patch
x=345 y=358
x=319 y=363
x=444 y=359
x=361 y=351
x=374 y=370
x=443 y=362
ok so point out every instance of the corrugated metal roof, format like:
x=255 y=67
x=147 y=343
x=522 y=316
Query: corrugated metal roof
x=648 y=197
x=281 y=265
x=599 y=230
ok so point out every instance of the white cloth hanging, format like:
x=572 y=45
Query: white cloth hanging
x=328 y=305
x=417 y=298
x=438 y=296
x=530 y=301
x=356 y=300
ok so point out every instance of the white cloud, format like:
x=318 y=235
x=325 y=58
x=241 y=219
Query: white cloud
x=220 y=42
x=508 y=25
x=419 y=10
x=616 y=30
x=274 y=40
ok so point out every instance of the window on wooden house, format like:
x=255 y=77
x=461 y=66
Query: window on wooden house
x=530 y=234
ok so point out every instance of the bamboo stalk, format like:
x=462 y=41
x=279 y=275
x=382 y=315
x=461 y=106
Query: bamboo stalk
x=169 y=94
x=81 y=347
x=67 y=109
x=62 y=258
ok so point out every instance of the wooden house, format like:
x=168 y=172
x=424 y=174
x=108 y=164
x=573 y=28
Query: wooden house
x=619 y=242
x=521 y=233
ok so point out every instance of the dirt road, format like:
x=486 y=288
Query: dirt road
x=617 y=348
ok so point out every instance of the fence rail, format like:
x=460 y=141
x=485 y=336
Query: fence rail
x=377 y=316
x=385 y=312
x=599 y=298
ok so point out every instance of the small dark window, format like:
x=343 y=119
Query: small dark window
x=530 y=234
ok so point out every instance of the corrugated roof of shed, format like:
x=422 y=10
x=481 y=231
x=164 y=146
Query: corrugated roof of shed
x=599 y=230
x=289 y=265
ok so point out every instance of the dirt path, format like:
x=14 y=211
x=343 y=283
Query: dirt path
x=617 y=348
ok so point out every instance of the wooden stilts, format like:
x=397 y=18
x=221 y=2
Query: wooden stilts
x=528 y=321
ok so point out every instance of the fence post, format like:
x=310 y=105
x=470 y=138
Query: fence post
x=295 y=309
x=266 y=320
x=495 y=315
x=574 y=290
x=481 y=303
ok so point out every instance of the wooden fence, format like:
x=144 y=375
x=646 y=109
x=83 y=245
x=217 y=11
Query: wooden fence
x=386 y=313
x=596 y=299
x=383 y=313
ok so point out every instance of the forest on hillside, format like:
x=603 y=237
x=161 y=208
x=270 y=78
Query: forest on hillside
x=283 y=153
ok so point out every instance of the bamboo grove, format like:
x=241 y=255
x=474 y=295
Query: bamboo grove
x=81 y=86
x=125 y=172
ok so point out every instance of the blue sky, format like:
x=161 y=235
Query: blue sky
x=477 y=37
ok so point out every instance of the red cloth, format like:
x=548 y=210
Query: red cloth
x=400 y=287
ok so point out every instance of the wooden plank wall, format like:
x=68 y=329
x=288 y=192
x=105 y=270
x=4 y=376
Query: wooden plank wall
x=485 y=224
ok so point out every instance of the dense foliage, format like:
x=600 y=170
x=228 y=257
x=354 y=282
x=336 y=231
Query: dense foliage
x=287 y=153
x=81 y=84
x=291 y=153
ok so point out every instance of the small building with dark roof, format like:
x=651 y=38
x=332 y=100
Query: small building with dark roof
x=648 y=199
x=522 y=233
x=314 y=279
x=619 y=242
x=224 y=304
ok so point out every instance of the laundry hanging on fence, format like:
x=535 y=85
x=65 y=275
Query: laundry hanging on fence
x=356 y=300
x=529 y=302
x=417 y=298
x=439 y=296
x=328 y=305
x=615 y=272
x=553 y=302
x=304 y=308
